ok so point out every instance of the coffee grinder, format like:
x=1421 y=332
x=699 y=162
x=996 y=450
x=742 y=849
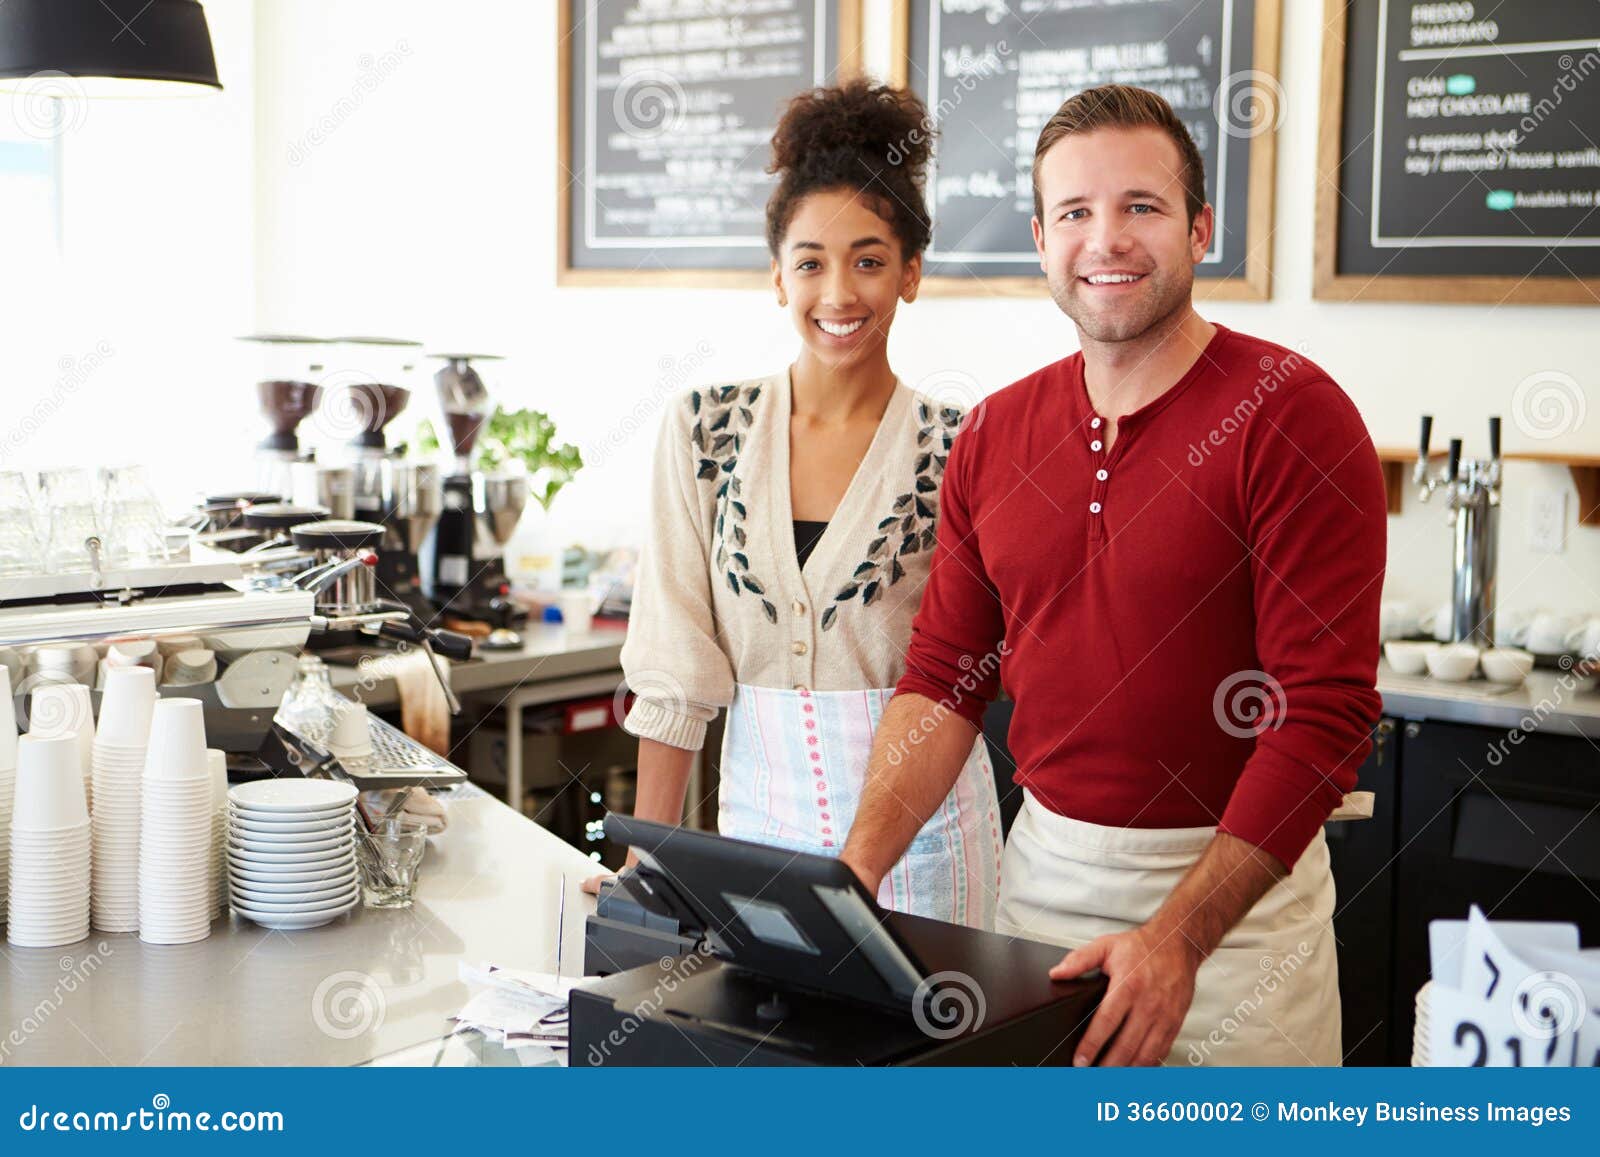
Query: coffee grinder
x=387 y=490
x=463 y=565
x=289 y=366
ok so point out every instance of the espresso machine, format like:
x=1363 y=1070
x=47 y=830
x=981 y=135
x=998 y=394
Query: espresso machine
x=463 y=562
x=1472 y=488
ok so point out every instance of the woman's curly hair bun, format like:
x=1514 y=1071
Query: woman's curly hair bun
x=870 y=138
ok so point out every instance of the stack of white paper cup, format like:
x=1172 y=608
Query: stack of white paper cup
x=48 y=901
x=217 y=764
x=8 y=781
x=66 y=709
x=126 y=707
x=175 y=827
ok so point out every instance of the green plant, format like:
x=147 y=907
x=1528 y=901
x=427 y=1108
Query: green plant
x=528 y=436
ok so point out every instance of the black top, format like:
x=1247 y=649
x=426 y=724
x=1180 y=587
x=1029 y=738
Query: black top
x=806 y=535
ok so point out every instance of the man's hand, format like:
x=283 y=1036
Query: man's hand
x=864 y=874
x=1152 y=985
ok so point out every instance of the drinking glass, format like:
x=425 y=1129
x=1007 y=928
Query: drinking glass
x=389 y=861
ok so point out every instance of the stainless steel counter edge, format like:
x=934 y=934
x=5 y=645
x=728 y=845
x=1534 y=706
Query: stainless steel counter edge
x=548 y=655
x=1552 y=702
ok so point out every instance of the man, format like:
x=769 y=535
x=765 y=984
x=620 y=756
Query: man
x=1175 y=539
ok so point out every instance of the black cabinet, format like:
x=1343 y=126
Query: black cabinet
x=1362 y=853
x=1512 y=826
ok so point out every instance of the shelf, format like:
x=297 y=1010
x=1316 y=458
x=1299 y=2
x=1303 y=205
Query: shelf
x=1585 y=468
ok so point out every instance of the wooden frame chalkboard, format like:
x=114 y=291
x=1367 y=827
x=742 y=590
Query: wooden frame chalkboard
x=1240 y=267
x=680 y=262
x=1356 y=259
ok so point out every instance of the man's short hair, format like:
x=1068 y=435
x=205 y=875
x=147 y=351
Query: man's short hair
x=1121 y=106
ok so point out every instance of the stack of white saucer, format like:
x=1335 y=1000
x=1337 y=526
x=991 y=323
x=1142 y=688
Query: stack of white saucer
x=65 y=708
x=48 y=901
x=291 y=851
x=175 y=827
x=126 y=706
x=8 y=781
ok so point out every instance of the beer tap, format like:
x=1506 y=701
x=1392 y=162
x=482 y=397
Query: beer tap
x=1472 y=488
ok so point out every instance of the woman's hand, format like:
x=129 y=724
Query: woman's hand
x=592 y=884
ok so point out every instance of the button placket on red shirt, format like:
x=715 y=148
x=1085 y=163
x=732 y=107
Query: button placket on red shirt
x=1100 y=461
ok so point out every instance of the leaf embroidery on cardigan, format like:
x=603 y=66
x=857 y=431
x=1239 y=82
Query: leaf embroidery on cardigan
x=723 y=415
x=911 y=524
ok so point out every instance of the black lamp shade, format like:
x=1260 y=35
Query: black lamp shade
x=162 y=40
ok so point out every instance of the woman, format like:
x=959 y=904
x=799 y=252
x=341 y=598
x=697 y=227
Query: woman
x=792 y=524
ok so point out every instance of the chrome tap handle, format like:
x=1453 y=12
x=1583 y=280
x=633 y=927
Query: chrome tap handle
x=1419 y=473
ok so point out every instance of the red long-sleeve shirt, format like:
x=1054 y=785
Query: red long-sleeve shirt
x=1189 y=623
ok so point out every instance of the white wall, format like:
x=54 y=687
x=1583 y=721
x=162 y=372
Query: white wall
x=122 y=350
x=404 y=182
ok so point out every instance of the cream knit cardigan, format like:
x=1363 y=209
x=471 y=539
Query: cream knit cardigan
x=719 y=599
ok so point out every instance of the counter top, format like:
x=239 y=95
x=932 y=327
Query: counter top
x=550 y=654
x=367 y=985
x=1554 y=702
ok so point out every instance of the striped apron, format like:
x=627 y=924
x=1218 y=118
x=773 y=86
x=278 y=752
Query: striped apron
x=793 y=767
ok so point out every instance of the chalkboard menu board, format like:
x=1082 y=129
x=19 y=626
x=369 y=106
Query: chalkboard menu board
x=668 y=110
x=1460 y=151
x=993 y=72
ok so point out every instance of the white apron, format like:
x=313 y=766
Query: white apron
x=1269 y=995
x=793 y=766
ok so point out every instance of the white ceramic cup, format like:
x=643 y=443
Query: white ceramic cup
x=1548 y=632
x=352 y=734
x=577 y=610
x=1436 y=623
x=187 y=668
x=49 y=791
x=1584 y=639
x=1408 y=657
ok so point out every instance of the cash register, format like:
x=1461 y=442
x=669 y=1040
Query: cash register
x=746 y=954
